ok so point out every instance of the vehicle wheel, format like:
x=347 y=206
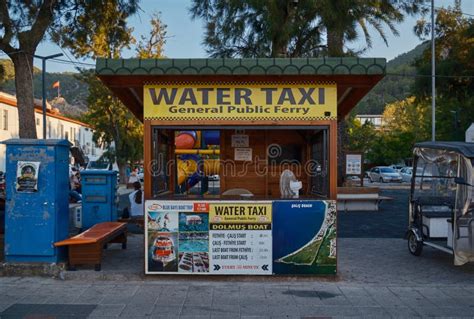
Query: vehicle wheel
x=414 y=246
x=381 y=180
x=370 y=179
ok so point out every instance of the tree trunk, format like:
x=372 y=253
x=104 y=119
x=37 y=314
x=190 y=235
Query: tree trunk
x=341 y=146
x=23 y=64
x=123 y=173
x=335 y=43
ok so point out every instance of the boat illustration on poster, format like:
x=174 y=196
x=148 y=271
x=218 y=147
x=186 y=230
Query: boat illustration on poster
x=312 y=249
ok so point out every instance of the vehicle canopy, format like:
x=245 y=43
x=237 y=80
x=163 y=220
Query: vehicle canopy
x=441 y=163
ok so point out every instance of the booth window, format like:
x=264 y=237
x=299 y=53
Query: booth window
x=159 y=167
x=319 y=166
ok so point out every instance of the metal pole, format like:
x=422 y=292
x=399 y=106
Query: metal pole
x=43 y=79
x=43 y=75
x=433 y=75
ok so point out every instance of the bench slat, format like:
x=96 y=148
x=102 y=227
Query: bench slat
x=94 y=234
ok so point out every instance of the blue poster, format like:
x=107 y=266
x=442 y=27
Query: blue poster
x=304 y=237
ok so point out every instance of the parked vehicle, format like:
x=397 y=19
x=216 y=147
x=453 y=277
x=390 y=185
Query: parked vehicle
x=397 y=167
x=384 y=174
x=407 y=173
x=441 y=213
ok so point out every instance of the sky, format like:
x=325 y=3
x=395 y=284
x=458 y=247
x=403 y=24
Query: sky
x=186 y=35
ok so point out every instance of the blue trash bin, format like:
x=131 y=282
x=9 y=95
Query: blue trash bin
x=99 y=197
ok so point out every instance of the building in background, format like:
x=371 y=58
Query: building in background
x=375 y=119
x=57 y=127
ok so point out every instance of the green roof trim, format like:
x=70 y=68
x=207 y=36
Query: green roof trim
x=263 y=66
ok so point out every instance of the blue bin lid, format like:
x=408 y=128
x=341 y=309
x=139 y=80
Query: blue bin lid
x=98 y=172
x=39 y=142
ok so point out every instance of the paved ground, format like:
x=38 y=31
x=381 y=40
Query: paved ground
x=377 y=278
x=391 y=221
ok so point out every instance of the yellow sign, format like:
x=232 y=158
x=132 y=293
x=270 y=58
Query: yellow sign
x=272 y=102
x=237 y=213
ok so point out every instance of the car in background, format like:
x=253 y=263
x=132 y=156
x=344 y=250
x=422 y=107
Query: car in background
x=397 y=167
x=407 y=173
x=384 y=174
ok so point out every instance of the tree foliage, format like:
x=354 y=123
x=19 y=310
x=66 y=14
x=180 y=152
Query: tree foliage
x=279 y=28
x=454 y=70
x=115 y=126
x=24 y=24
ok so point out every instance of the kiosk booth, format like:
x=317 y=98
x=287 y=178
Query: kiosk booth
x=240 y=159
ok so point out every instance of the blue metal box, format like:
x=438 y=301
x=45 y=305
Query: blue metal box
x=99 y=197
x=37 y=199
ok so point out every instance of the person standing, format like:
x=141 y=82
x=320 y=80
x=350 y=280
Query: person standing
x=136 y=201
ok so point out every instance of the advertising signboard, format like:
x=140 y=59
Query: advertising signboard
x=199 y=237
x=241 y=238
x=304 y=237
x=240 y=102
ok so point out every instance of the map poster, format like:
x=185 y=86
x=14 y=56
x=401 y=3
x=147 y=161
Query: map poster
x=176 y=237
x=240 y=235
x=304 y=237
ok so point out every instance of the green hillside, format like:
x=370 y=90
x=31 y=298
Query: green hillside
x=392 y=87
x=73 y=90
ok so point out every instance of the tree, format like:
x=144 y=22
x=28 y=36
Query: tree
x=454 y=70
x=24 y=24
x=153 y=45
x=115 y=127
x=280 y=28
x=405 y=123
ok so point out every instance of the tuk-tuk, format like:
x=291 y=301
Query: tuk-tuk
x=442 y=199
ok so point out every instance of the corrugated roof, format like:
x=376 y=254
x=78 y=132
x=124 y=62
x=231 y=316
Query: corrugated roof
x=263 y=66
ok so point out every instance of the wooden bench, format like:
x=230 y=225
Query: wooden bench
x=86 y=248
x=359 y=199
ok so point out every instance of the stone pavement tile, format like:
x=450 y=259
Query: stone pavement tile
x=166 y=310
x=436 y=296
x=464 y=301
x=225 y=310
x=116 y=299
x=455 y=292
x=107 y=311
x=445 y=311
x=170 y=301
x=89 y=298
x=123 y=289
x=305 y=297
x=282 y=310
x=137 y=310
x=195 y=310
x=253 y=310
x=4 y=306
x=225 y=316
x=384 y=297
x=35 y=298
x=194 y=316
x=144 y=297
x=401 y=312
x=372 y=312
x=327 y=311
x=252 y=301
x=164 y=316
x=254 y=317
x=358 y=296
x=411 y=297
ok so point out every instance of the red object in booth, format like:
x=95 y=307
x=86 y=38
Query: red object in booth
x=184 y=141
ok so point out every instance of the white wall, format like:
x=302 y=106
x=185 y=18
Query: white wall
x=56 y=128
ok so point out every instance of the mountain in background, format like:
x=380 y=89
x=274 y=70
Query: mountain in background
x=73 y=100
x=392 y=87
